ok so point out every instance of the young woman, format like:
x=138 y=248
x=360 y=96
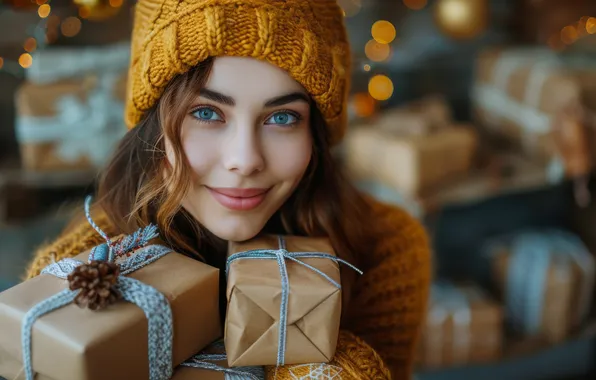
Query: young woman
x=233 y=108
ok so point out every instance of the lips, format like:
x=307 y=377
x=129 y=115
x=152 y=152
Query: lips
x=238 y=199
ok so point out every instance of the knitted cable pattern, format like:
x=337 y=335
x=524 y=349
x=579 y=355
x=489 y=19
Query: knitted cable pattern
x=306 y=38
x=388 y=303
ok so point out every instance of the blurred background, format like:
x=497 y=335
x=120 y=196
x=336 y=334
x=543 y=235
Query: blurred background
x=477 y=116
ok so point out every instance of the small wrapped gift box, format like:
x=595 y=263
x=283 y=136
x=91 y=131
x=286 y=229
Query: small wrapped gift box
x=172 y=312
x=546 y=279
x=284 y=301
x=411 y=164
x=463 y=326
x=73 y=124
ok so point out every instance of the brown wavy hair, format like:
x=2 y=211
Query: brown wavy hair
x=134 y=191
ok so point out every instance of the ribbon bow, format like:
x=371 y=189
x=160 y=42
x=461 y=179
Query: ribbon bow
x=281 y=255
x=154 y=304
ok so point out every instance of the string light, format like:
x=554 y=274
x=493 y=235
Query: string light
x=380 y=87
x=25 y=60
x=383 y=32
x=44 y=10
x=415 y=4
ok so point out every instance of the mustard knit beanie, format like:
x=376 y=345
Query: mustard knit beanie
x=307 y=38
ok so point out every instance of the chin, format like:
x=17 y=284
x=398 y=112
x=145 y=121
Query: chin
x=234 y=229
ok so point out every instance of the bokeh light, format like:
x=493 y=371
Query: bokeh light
x=366 y=67
x=71 y=26
x=383 y=31
x=116 y=3
x=462 y=19
x=30 y=45
x=569 y=34
x=1 y=62
x=380 y=87
x=591 y=25
x=376 y=51
x=415 y=4
x=25 y=60
x=363 y=104
x=44 y=10
x=84 y=12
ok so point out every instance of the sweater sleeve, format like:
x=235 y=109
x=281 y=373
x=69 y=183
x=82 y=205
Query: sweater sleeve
x=390 y=300
x=77 y=238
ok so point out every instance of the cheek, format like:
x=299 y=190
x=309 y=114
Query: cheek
x=201 y=151
x=289 y=160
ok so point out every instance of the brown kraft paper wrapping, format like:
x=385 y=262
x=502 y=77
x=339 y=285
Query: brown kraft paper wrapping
x=79 y=344
x=557 y=311
x=40 y=101
x=254 y=296
x=546 y=97
x=469 y=335
x=411 y=164
x=419 y=117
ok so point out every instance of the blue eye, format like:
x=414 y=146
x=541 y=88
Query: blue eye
x=283 y=118
x=206 y=114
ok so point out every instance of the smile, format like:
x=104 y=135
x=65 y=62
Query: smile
x=238 y=199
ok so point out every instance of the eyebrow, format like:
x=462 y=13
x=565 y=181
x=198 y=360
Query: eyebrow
x=274 y=102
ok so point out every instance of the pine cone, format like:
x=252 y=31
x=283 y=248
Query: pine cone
x=96 y=281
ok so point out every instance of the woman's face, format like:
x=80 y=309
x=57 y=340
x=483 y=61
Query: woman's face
x=247 y=138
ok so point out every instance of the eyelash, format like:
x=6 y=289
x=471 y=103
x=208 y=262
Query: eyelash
x=290 y=112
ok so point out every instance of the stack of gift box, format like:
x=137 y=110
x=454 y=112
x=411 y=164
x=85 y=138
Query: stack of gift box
x=540 y=103
x=69 y=110
x=541 y=291
x=133 y=309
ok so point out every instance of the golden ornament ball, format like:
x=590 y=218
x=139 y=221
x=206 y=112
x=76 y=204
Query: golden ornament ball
x=461 y=19
x=98 y=10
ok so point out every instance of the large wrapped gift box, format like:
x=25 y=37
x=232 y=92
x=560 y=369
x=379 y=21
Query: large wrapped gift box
x=410 y=163
x=546 y=280
x=73 y=343
x=255 y=295
x=463 y=326
x=72 y=124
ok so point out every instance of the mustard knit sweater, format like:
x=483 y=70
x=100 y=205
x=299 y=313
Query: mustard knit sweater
x=388 y=304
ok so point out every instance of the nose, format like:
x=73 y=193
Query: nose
x=242 y=150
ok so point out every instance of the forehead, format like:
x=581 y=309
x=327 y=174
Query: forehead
x=248 y=78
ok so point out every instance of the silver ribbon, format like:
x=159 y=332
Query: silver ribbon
x=524 y=287
x=154 y=304
x=281 y=255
